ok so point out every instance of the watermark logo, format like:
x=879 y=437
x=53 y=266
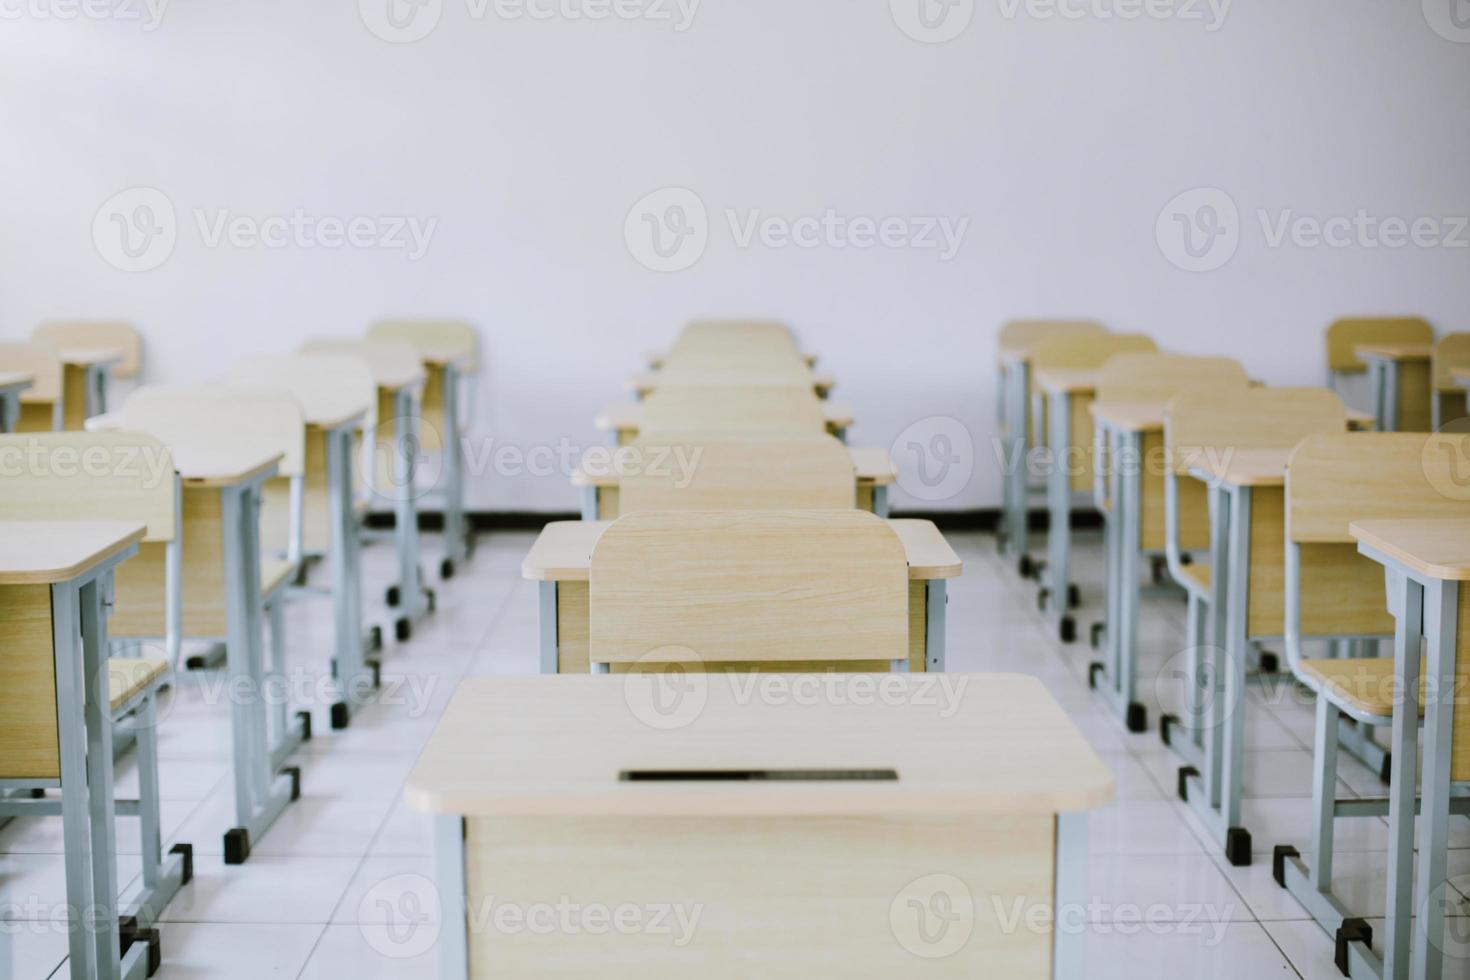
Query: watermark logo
x=135 y=230
x=667 y=230
x=400 y=21
x=666 y=689
x=1450 y=19
x=1191 y=686
x=936 y=458
x=149 y=12
x=400 y=916
x=1199 y=230
x=933 y=916
x=385 y=457
x=932 y=21
x=1211 y=13
x=1446 y=460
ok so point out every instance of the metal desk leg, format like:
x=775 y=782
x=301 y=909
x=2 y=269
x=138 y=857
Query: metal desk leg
x=1232 y=676
x=1057 y=595
x=1441 y=628
x=454 y=526
x=589 y=503
x=1017 y=423
x=1390 y=375
x=1105 y=495
x=1220 y=555
x=454 y=942
x=936 y=599
x=1398 y=925
x=410 y=596
x=1128 y=555
x=880 y=500
x=550 y=651
x=354 y=675
x=1069 y=919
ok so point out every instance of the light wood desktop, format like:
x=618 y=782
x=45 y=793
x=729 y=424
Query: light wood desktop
x=853 y=801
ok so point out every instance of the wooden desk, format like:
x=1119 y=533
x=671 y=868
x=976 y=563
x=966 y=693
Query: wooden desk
x=53 y=628
x=901 y=792
x=561 y=560
x=1429 y=566
x=873 y=466
x=84 y=382
x=1402 y=388
x=644 y=382
x=1129 y=492
x=12 y=383
x=623 y=420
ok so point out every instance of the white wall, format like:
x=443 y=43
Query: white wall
x=529 y=141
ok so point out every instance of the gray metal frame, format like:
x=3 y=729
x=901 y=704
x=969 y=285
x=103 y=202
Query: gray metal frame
x=449 y=866
x=1015 y=488
x=351 y=672
x=1384 y=374
x=10 y=405
x=95 y=398
x=413 y=597
x=454 y=523
x=1069 y=939
x=1120 y=510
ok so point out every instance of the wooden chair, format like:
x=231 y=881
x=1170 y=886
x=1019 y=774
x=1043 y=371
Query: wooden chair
x=730 y=472
x=40 y=404
x=733 y=408
x=454 y=338
x=96 y=333
x=1333 y=592
x=112 y=476
x=329 y=388
x=1199 y=426
x=1344 y=336
x=1079 y=352
x=775 y=590
x=1451 y=353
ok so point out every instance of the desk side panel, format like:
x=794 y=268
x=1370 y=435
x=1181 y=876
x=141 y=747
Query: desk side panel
x=29 y=747
x=774 y=898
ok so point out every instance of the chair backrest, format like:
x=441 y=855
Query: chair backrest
x=722 y=471
x=1333 y=480
x=327 y=386
x=1157 y=378
x=1026 y=334
x=1219 y=421
x=428 y=334
x=1082 y=352
x=701 y=331
x=112 y=476
x=1344 y=336
x=392 y=362
x=1451 y=353
x=201 y=418
x=732 y=408
x=35 y=359
x=96 y=333
x=710 y=587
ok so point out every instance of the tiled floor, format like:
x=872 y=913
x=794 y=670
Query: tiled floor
x=311 y=901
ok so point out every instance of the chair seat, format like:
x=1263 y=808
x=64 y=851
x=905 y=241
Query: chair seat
x=273 y=574
x=1196 y=578
x=1364 y=684
x=127 y=677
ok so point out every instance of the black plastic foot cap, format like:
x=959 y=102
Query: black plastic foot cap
x=1182 y=784
x=1074 y=597
x=432 y=599
x=375 y=637
x=1093 y=669
x=1351 y=931
x=237 y=845
x=1385 y=771
x=1043 y=596
x=155 y=948
x=305 y=718
x=402 y=629
x=340 y=715
x=446 y=569
x=391 y=597
x=1238 y=847
x=1270 y=663
x=195 y=662
x=1067 y=629
x=1137 y=718
x=1165 y=723
x=295 y=773
x=187 y=852
x=377 y=668
x=1025 y=566
x=1279 y=854
x=1095 y=636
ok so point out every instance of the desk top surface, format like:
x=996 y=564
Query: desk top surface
x=441 y=357
x=519 y=746
x=222 y=466
x=872 y=465
x=45 y=552
x=1395 y=352
x=1130 y=416
x=1070 y=381
x=1244 y=467
x=90 y=356
x=630 y=415
x=563 y=551
x=1437 y=549
x=646 y=381
x=11 y=381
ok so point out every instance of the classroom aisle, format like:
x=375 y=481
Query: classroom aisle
x=341 y=885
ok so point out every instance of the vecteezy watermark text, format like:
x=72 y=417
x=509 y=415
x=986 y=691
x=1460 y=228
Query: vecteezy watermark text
x=406 y=21
x=149 y=13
